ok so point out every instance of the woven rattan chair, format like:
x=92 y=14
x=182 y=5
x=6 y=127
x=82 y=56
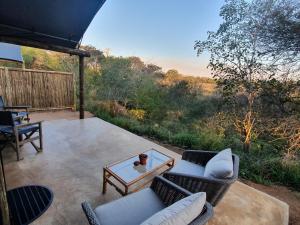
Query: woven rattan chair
x=161 y=192
x=196 y=182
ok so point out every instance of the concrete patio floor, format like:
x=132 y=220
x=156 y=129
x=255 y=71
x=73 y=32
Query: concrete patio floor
x=75 y=152
x=57 y=114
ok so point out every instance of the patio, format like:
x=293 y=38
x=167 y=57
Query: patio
x=75 y=152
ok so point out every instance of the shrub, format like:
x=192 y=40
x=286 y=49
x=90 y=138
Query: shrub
x=125 y=122
x=185 y=140
x=209 y=140
x=267 y=167
x=158 y=132
x=138 y=114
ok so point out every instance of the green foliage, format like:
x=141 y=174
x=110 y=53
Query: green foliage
x=188 y=111
x=250 y=72
x=269 y=168
x=174 y=114
x=186 y=140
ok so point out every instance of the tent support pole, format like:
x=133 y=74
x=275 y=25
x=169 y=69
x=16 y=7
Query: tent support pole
x=81 y=87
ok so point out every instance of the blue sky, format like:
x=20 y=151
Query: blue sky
x=162 y=32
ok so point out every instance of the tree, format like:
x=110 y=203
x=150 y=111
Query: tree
x=278 y=30
x=235 y=62
x=282 y=97
x=171 y=77
x=248 y=50
x=117 y=82
x=153 y=69
x=172 y=74
x=136 y=63
x=93 y=62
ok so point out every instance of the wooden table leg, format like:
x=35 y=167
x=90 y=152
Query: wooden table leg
x=171 y=164
x=104 y=185
x=173 y=161
x=126 y=190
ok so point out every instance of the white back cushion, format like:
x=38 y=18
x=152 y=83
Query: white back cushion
x=220 y=166
x=181 y=212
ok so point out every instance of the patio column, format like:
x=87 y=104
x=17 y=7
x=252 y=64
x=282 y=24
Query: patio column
x=81 y=87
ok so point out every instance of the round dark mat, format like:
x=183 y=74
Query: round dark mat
x=27 y=203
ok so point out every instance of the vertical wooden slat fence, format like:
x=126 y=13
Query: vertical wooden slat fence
x=40 y=89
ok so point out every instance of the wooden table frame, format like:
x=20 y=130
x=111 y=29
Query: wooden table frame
x=107 y=173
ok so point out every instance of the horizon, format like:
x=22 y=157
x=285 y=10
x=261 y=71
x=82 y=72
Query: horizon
x=130 y=29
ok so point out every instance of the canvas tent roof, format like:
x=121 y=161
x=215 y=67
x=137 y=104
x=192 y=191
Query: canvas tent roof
x=60 y=23
x=10 y=52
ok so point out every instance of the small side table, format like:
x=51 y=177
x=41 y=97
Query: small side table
x=122 y=175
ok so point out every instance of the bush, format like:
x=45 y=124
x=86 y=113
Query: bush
x=138 y=114
x=124 y=122
x=185 y=140
x=267 y=167
x=158 y=132
x=209 y=140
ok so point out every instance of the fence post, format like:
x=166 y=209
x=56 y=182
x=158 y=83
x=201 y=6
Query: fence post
x=8 y=87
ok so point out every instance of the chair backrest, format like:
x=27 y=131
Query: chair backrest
x=6 y=118
x=1 y=103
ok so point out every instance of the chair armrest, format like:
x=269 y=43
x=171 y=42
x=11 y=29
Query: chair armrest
x=167 y=191
x=90 y=214
x=236 y=166
x=206 y=214
x=26 y=107
x=214 y=188
x=29 y=124
x=198 y=156
x=174 y=177
x=171 y=193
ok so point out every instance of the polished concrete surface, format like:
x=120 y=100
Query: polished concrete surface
x=67 y=114
x=75 y=152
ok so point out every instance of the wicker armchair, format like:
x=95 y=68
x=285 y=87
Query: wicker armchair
x=165 y=192
x=215 y=188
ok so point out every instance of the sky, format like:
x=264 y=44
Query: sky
x=162 y=32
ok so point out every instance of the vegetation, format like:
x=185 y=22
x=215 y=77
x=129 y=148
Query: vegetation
x=252 y=105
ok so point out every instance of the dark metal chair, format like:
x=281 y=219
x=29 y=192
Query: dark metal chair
x=12 y=132
x=215 y=188
x=18 y=115
x=162 y=190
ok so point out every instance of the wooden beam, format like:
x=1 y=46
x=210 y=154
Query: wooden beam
x=36 y=44
x=81 y=87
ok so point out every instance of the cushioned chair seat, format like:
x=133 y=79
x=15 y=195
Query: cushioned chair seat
x=132 y=209
x=186 y=167
x=22 y=114
x=23 y=130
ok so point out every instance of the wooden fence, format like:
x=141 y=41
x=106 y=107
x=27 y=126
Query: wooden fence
x=40 y=89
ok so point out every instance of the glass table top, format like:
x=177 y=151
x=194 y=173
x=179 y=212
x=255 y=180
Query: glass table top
x=128 y=172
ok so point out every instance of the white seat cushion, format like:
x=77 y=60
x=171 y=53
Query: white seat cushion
x=220 y=166
x=186 y=167
x=180 y=213
x=132 y=209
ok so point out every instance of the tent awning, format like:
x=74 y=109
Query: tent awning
x=54 y=22
x=10 y=52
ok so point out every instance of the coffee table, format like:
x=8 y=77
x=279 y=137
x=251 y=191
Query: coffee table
x=125 y=174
